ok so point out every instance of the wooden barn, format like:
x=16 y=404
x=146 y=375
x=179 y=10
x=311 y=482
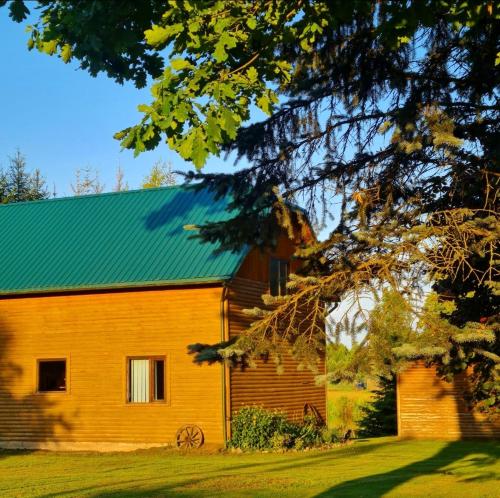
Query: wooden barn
x=431 y=408
x=100 y=296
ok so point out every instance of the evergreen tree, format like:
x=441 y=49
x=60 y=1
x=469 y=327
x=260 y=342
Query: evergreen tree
x=17 y=184
x=87 y=182
x=380 y=416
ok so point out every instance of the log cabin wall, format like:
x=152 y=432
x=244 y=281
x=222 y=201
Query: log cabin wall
x=431 y=408
x=95 y=333
x=263 y=386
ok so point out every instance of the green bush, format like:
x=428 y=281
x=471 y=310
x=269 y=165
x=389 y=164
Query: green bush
x=329 y=436
x=255 y=428
x=345 y=414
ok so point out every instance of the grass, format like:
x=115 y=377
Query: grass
x=367 y=468
x=373 y=468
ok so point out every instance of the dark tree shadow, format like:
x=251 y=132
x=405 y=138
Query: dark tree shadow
x=26 y=419
x=377 y=485
x=180 y=210
x=462 y=423
x=191 y=480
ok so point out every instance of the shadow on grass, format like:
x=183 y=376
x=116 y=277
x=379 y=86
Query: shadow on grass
x=191 y=484
x=377 y=485
x=279 y=472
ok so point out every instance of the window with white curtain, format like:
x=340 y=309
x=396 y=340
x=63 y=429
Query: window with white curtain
x=146 y=380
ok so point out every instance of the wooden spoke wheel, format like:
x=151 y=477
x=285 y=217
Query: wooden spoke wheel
x=189 y=437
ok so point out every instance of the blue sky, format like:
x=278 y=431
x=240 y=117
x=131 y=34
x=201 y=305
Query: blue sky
x=63 y=119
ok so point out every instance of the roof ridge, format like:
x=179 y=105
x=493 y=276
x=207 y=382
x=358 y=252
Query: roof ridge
x=101 y=194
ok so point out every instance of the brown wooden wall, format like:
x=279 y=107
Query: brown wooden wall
x=263 y=386
x=430 y=408
x=96 y=333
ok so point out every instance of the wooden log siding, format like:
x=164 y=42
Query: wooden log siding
x=96 y=333
x=263 y=386
x=431 y=408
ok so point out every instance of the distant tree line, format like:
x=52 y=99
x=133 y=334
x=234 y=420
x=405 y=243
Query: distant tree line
x=18 y=183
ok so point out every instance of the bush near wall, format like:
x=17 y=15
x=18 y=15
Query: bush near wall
x=254 y=428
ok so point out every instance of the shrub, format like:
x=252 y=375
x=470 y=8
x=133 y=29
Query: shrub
x=259 y=429
x=329 y=436
x=254 y=428
x=345 y=413
x=346 y=409
x=281 y=441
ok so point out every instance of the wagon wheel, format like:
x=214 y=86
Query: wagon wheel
x=189 y=436
x=312 y=411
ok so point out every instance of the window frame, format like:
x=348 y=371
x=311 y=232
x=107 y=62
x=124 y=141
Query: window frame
x=66 y=374
x=152 y=380
x=280 y=261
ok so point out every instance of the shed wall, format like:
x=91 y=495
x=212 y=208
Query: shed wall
x=96 y=333
x=431 y=408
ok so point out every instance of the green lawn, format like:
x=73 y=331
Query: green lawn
x=372 y=468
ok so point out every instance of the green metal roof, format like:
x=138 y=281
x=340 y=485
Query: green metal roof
x=124 y=239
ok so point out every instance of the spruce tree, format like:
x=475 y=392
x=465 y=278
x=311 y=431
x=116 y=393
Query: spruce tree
x=17 y=184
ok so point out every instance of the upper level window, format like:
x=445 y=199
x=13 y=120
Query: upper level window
x=51 y=375
x=146 y=380
x=278 y=275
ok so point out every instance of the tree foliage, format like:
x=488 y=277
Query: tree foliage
x=338 y=357
x=390 y=325
x=17 y=184
x=161 y=175
x=387 y=110
x=87 y=182
x=121 y=185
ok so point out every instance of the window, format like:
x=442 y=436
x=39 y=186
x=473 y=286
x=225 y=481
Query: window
x=51 y=376
x=278 y=275
x=146 y=380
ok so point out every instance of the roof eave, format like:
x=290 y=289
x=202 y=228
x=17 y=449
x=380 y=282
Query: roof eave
x=119 y=286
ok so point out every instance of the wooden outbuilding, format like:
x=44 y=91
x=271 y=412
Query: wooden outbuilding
x=100 y=296
x=431 y=408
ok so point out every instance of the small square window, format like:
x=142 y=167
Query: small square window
x=146 y=380
x=51 y=376
x=278 y=276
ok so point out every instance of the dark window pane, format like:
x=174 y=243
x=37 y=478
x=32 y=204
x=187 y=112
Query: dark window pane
x=283 y=277
x=159 y=368
x=52 y=375
x=278 y=276
x=274 y=284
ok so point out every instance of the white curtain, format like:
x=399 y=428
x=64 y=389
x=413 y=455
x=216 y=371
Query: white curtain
x=139 y=381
